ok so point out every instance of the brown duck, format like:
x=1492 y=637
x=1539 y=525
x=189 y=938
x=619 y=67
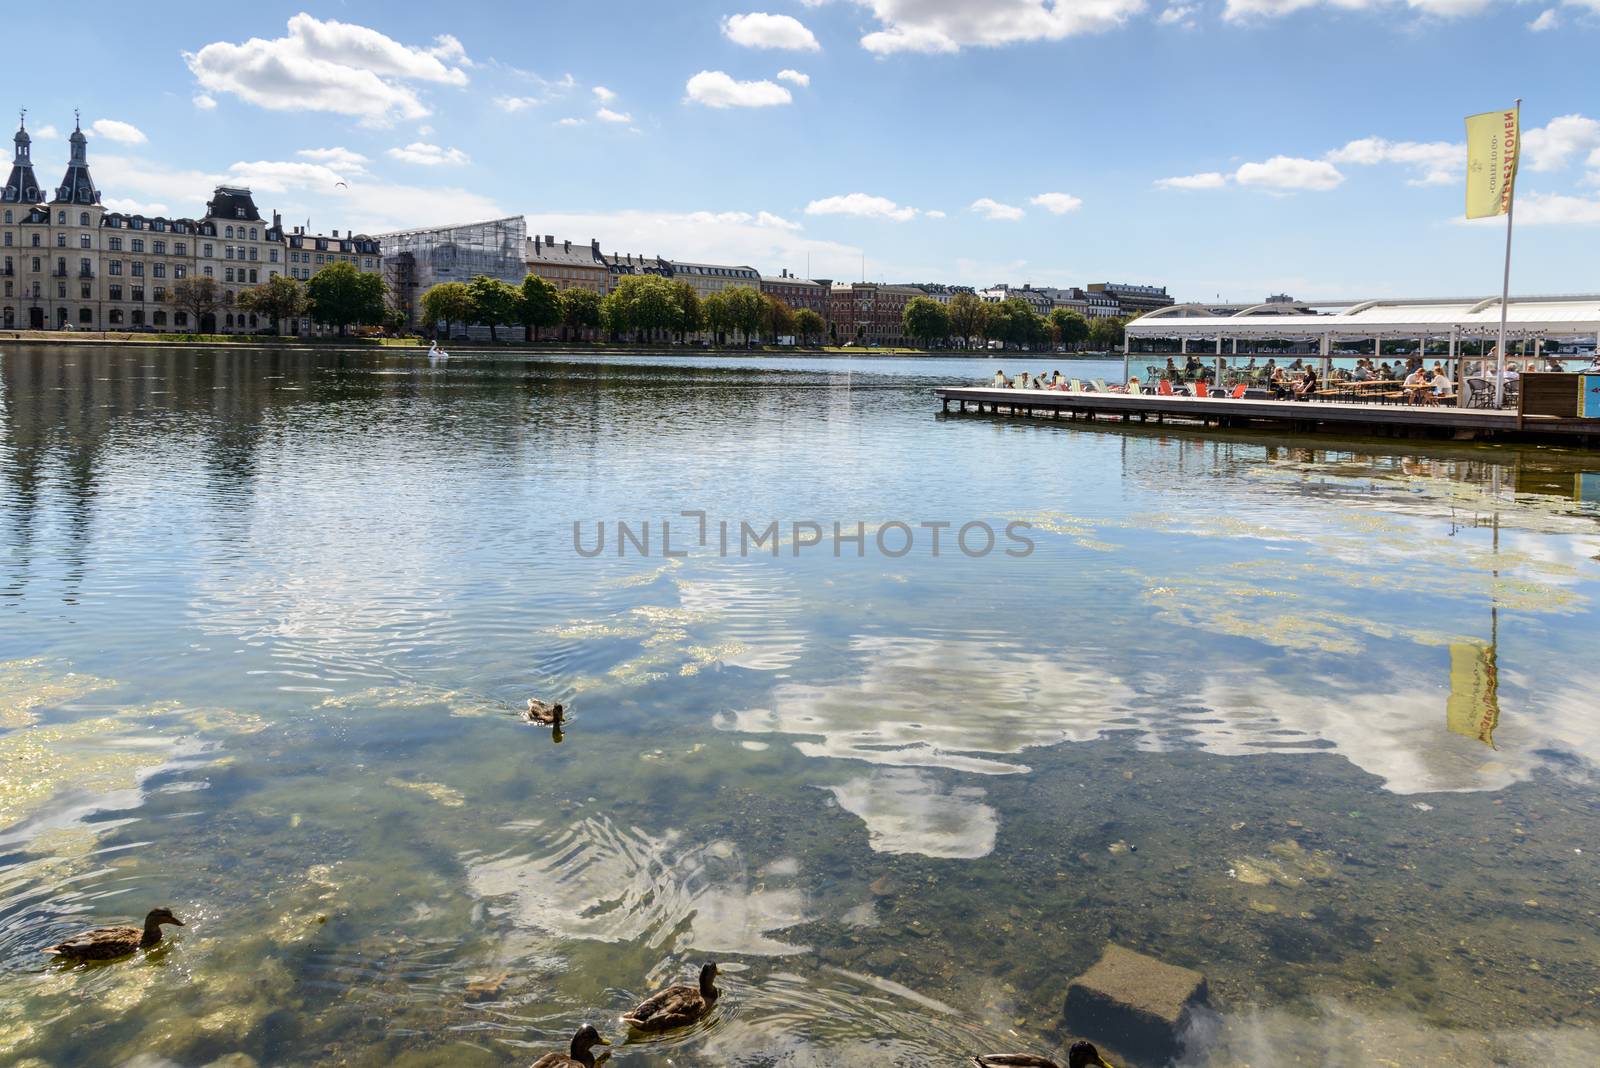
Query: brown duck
x=676 y=1006
x=1081 y=1055
x=109 y=943
x=544 y=713
x=578 y=1056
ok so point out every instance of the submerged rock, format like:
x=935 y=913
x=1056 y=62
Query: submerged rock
x=1134 y=1002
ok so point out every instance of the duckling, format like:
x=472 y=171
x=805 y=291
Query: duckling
x=578 y=1056
x=544 y=713
x=109 y=943
x=1081 y=1055
x=676 y=1006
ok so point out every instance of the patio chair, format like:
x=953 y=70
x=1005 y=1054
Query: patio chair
x=1238 y=392
x=1075 y=386
x=1165 y=389
x=1201 y=389
x=1479 y=393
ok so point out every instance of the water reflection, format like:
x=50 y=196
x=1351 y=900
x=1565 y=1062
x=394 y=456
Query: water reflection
x=907 y=811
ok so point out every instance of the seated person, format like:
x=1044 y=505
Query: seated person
x=1415 y=384
x=1280 y=384
x=1307 y=386
x=1444 y=387
x=1362 y=373
x=1000 y=380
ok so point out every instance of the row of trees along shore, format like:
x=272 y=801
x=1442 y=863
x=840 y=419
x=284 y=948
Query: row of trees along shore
x=338 y=295
x=643 y=308
x=967 y=320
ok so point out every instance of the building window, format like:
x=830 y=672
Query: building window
x=138 y=317
x=137 y=245
x=115 y=292
x=85 y=315
x=35 y=241
x=83 y=218
x=252 y=274
x=229 y=234
x=228 y=252
x=138 y=294
x=61 y=218
x=252 y=233
x=61 y=241
x=137 y=268
x=180 y=318
x=85 y=291
x=209 y=272
x=273 y=255
x=180 y=271
x=159 y=248
x=61 y=291
x=115 y=244
x=115 y=267
x=115 y=316
x=8 y=216
x=207 y=251
x=227 y=274
x=84 y=242
x=159 y=294
x=159 y=318
x=252 y=252
x=180 y=248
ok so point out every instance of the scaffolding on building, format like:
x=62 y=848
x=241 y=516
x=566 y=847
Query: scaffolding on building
x=415 y=260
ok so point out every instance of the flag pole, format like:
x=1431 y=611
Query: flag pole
x=1505 y=284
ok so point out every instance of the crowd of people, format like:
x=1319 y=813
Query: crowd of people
x=1410 y=380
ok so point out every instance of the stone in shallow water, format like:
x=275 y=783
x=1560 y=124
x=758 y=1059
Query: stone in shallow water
x=1133 y=1002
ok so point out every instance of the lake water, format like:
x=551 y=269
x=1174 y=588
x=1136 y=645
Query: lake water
x=1315 y=717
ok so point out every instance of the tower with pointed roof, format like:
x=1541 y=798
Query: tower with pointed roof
x=21 y=187
x=77 y=187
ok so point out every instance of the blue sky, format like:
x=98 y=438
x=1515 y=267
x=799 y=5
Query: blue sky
x=1220 y=147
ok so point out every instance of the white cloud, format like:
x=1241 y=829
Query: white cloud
x=514 y=104
x=426 y=155
x=1290 y=174
x=1179 y=15
x=794 y=77
x=133 y=206
x=122 y=132
x=1207 y=180
x=1555 y=209
x=602 y=94
x=863 y=205
x=760 y=30
x=716 y=89
x=607 y=115
x=1547 y=20
x=329 y=66
x=205 y=102
x=950 y=25
x=714 y=237
x=424 y=130
x=45 y=133
x=1056 y=203
x=1245 y=10
x=340 y=159
x=995 y=211
x=1552 y=146
x=297 y=188
x=1435 y=162
x=569 y=122
x=934 y=214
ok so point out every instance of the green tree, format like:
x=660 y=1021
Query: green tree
x=747 y=310
x=1071 y=327
x=538 y=305
x=580 y=309
x=779 y=318
x=808 y=325
x=447 y=302
x=494 y=303
x=343 y=296
x=1106 y=334
x=691 y=316
x=926 y=320
x=718 y=314
x=278 y=298
x=966 y=313
x=642 y=304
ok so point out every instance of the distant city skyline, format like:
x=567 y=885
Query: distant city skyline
x=1225 y=150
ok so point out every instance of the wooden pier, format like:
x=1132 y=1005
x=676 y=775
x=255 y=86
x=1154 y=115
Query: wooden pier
x=1301 y=417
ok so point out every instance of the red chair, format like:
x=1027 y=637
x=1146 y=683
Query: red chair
x=1165 y=388
x=1201 y=389
x=1238 y=392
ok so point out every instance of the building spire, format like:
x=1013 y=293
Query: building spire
x=77 y=187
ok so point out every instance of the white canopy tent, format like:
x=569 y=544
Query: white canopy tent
x=1328 y=324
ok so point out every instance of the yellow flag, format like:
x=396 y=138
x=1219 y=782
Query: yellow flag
x=1473 y=708
x=1494 y=141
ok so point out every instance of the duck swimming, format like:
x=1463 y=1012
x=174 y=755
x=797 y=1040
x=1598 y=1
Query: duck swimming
x=578 y=1056
x=544 y=713
x=1081 y=1055
x=676 y=1006
x=109 y=943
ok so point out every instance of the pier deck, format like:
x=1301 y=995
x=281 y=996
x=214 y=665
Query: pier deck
x=1394 y=420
